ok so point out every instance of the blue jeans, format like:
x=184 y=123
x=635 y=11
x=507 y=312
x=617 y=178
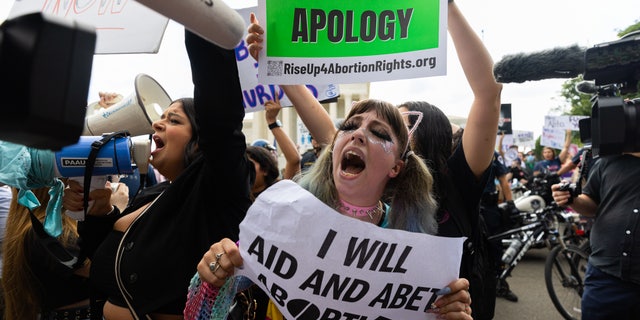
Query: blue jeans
x=607 y=297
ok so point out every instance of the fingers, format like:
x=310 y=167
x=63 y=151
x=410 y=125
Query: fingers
x=254 y=26
x=254 y=38
x=560 y=197
x=219 y=262
x=456 y=301
x=74 y=185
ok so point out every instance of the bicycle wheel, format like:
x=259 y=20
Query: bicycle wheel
x=564 y=276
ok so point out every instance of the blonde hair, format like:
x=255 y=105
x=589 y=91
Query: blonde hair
x=22 y=291
x=412 y=205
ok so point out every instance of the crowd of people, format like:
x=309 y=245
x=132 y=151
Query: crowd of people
x=168 y=248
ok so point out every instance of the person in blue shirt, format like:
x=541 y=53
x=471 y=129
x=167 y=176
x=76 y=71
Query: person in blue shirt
x=550 y=162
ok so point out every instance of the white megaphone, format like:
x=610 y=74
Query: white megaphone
x=134 y=113
x=213 y=20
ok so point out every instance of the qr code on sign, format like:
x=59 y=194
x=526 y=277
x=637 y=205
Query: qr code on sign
x=274 y=68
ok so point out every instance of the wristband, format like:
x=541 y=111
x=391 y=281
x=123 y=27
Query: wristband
x=115 y=211
x=274 y=125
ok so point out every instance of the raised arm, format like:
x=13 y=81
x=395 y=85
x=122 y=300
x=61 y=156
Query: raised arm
x=314 y=116
x=288 y=147
x=480 y=131
x=312 y=113
x=564 y=153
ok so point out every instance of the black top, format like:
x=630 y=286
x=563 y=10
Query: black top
x=468 y=190
x=59 y=286
x=459 y=215
x=161 y=249
x=615 y=234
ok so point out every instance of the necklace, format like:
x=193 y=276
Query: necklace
x=357 y=211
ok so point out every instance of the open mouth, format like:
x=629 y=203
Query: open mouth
x=352 y=163
x=158 y=142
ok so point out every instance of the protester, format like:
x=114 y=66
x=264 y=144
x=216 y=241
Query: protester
x=368 y=160
x=460 y=176
x=198 y=142
x=266 y=168
x=37 y=285
x=610 y=195
x=284 y=142
x=530 y=162
x=310 y=156
x=498 y=190
x=517 y=172
x=550 y=162
x=464 y=169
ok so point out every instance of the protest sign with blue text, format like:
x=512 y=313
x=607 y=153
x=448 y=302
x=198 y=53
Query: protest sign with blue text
x=254 y=92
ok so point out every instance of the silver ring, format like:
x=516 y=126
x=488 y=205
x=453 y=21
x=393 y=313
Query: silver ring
x=214 y=266
x=218 y=256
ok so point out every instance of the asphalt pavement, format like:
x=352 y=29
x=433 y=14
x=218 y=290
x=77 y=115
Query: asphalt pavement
x=527 y=282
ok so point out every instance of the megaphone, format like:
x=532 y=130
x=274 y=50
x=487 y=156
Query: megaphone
x=134 y=113
x=213 y=20
x=115 y=155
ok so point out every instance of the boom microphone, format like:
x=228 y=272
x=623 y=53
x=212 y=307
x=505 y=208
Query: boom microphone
x=586 y=87
x=559 y=62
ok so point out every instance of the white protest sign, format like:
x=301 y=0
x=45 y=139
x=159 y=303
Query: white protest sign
x=553 y=137
x=520 y=138
x=254 y=93
x=336 y=41
x=122 y=26
x=563 y=122
x=318 y=264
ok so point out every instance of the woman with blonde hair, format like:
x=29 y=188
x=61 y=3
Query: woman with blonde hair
x=36 y=285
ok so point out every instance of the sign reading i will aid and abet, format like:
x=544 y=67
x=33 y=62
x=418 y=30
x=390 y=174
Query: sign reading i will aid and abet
x=336 y=41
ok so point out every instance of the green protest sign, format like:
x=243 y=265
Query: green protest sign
x=337 y=41
x=336 y=28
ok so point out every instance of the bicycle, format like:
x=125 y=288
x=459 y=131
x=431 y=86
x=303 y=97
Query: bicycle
x=538 y=229
x=564 y=273
x=565 y=269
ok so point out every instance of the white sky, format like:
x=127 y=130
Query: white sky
x=506 y=26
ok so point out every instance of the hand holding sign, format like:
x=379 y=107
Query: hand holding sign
x=301 y=252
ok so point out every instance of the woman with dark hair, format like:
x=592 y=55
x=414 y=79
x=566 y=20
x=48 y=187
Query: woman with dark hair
x=266 y=168
x=461 y=171
x=147 y=254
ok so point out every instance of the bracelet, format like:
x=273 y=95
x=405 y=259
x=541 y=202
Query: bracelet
x=115 y=211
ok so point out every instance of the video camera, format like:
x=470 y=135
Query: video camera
x=614 y=126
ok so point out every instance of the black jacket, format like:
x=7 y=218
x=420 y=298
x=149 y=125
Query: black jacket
x=206 y=203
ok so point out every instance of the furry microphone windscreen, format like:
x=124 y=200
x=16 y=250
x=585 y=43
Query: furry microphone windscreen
x=559 y=62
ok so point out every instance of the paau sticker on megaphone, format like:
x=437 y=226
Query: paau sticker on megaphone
x=134 y=113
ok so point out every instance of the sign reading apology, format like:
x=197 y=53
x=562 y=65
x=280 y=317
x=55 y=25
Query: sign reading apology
x=337 y=41
x=318 y=264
